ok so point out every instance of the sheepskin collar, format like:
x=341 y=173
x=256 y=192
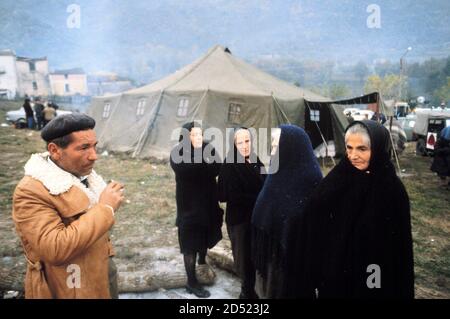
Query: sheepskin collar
x=58 y=181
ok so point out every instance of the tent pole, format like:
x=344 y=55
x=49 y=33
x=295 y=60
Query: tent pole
x=280 y=108
x=320 y=132
x=393 y=148
x=199 y=103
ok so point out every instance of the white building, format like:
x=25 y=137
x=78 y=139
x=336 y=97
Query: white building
x=9 y=84
x=20 y=76
x=69 y=82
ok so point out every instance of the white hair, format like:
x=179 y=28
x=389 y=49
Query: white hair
x=360 y=130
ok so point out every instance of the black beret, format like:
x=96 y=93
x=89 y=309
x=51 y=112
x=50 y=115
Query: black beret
x=63 y=125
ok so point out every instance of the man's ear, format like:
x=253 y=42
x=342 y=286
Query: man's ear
x=54 y=150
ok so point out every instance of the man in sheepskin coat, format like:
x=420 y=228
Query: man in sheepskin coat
x=63 y=211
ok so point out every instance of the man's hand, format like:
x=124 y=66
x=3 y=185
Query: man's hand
x=112 y=195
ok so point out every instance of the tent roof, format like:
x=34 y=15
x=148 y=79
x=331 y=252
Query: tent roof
x=220 y=71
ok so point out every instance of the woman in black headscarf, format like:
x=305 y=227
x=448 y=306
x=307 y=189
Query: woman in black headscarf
x=240 y=181
x=282 y=198
x=199 y=217
x=355 y=236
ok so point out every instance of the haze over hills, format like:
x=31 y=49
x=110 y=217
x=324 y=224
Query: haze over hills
x=146 y=40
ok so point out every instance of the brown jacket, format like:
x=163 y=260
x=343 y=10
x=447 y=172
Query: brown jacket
x=64 y=232
x=49 y=113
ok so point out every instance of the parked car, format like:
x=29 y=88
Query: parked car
x=429 y=124
x=19 y=115
x=362 y=115
x=407 y=123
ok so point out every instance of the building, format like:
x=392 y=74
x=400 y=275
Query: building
x=69 y=82
x=33 y=76
x=9 y=85
x=20 y=76
x=100 y=84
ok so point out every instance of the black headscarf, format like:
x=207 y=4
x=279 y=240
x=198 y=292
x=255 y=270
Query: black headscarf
x=283 y=197
x=240 y=182
x=355 y=219
x=196 y=186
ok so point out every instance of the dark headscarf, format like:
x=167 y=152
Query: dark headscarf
x=355 y=219
x=233 y=155
x=240 y=182
x=187 y=128
x=283 y=196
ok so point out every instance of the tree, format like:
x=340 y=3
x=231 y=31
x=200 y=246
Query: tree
x=442 y=94
x=338 y=91
x=389 y=86
x=373 y=84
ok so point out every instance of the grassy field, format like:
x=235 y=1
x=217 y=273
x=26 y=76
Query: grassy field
x=147 y=219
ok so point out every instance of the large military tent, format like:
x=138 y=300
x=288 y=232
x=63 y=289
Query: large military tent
x=219 y=89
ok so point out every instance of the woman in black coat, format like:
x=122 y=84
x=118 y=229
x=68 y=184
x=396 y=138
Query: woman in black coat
x=199 y=217
x=282 y=198
x=355 y=236
x=240 y=181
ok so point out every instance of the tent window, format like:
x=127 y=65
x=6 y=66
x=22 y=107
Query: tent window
x=234 y=112
x=106 y=110
x=141 y=107
x=315 y=116
x=183 y=107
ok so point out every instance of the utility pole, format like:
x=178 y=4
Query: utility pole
x=400 y=87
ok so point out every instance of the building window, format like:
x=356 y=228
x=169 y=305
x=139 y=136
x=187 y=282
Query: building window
x=141 y=107
x=67 y=88
x=234 y=112
x=315 y=115
x=183 y=107
x=35 y=87
x=32 y=66
x=106 y=110
x=66 y=76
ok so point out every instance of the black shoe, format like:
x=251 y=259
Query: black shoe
x=199 y=291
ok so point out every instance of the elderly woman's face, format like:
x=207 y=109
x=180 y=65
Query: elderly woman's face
x=243 y=142
x=196 y=136
x=358 y=151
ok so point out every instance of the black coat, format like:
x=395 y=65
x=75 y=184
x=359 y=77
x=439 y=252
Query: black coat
x=39 y=110
x=239 y=186
x=355 y=219
x=196 y=191
x=441 y=161
x=28 y=109
x=281 y=200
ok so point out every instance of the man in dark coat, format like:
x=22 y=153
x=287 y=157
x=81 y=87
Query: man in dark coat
x=199 y=216
x=355 y=237
x=240 y=181
x=28 y=113
x=441 y=161
x=39 y=110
